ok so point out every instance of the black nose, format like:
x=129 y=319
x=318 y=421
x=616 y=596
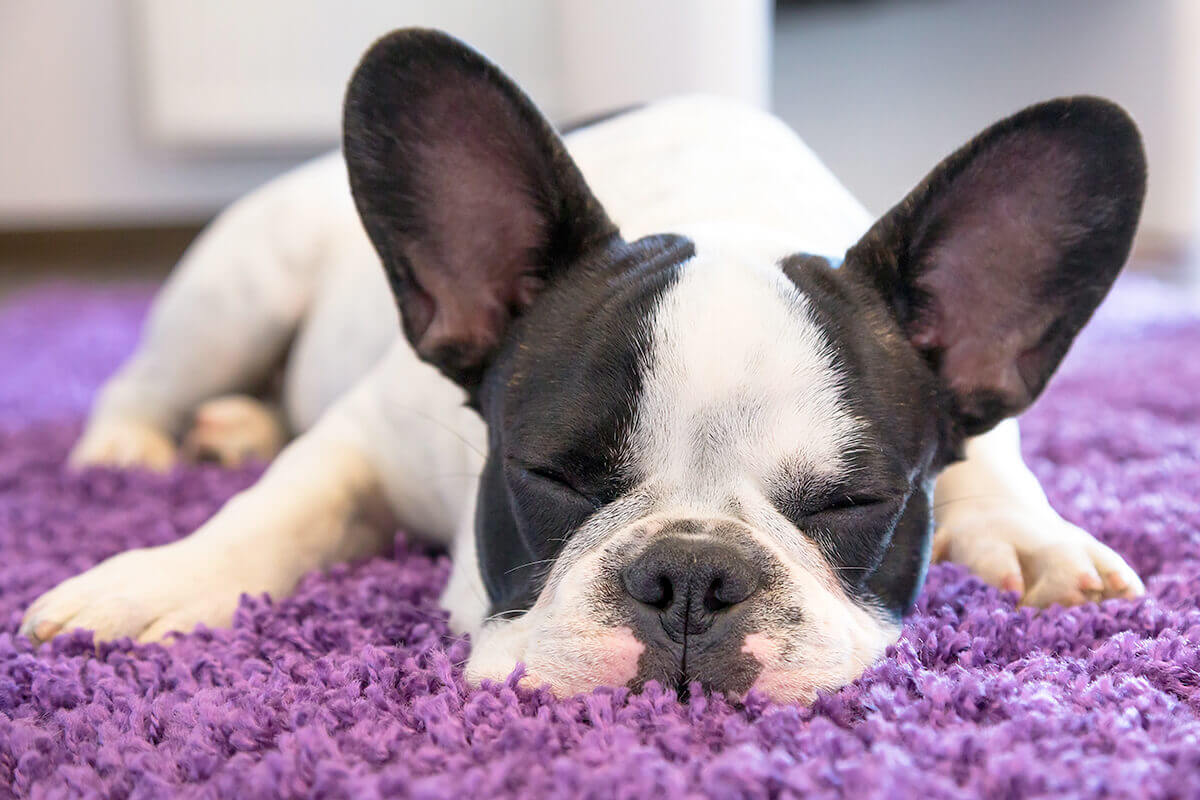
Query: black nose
x=690 y=582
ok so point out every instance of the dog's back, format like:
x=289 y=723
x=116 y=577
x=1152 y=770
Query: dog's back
x=704 y=161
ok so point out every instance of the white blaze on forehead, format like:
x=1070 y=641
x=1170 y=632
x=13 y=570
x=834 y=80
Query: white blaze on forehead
x=741 y=384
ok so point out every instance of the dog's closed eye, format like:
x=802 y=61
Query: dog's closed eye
x=548 y=479
x=849 y=502
x=809 y=508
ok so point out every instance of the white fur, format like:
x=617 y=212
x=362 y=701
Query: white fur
x=386 y=441
x=742 y=385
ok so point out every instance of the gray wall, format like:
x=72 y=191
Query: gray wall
x=882 y=91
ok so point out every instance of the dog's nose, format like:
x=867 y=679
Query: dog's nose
x=690 y=582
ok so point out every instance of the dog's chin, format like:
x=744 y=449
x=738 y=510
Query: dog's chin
x=570 y=659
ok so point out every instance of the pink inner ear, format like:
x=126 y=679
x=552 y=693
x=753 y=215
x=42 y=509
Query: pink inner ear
x=466 y=191
x=483 y=224
x=998 y=237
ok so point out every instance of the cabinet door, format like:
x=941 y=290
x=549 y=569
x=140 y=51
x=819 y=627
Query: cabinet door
x=270 y=73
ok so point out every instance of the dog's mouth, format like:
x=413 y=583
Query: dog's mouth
x=728 y=668
x=760 y=662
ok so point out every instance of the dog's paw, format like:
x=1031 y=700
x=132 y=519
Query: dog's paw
x=230 y=430
x=1034 y=552
x=144 y=594
x=123 y=443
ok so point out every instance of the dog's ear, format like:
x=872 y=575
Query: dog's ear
x=466 y=191
x=998 y=258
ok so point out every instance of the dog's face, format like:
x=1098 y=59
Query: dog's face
x=695 y=473
x=705 y=464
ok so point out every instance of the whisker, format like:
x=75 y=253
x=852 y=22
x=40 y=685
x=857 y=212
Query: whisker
x=458 y=435
x=945 y=503
x=530 y=564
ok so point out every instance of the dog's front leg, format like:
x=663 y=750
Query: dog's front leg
x=319 y=503
x=993 y=517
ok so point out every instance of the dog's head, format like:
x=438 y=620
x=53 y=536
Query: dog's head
x=702 y=465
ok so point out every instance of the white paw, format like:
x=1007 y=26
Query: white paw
x=123 y=443
x=232 y=429
x=1034 y=552
x=144 y=594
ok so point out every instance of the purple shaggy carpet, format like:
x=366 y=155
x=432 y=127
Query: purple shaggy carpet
x=353 y=687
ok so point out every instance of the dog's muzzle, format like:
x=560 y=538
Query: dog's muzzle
x=692 y=595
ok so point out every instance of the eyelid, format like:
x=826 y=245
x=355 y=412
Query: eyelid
x=847 y=502
x=550 y=476
x=546 y=475
x=843 y=502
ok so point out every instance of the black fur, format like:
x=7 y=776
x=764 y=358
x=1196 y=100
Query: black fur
x=891 y=330
x=875 y=530
x=560 y=411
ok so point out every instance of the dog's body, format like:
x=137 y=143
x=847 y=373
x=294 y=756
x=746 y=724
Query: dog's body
x=661 y=397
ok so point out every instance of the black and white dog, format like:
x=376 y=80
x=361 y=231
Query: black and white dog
x=675 y=403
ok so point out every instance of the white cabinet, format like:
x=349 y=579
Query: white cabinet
x=120 y=112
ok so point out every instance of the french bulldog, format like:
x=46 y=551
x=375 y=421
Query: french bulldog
x=680 y=409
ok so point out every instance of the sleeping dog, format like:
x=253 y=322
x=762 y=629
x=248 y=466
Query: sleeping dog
x=680 y=410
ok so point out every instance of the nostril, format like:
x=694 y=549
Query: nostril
x=666 y=594
x=650 y=586
x=728 y=587
x=712 y=598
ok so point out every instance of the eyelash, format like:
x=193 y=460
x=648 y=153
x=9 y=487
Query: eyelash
x=846 y=502
x=547 y=476
x=802 y=513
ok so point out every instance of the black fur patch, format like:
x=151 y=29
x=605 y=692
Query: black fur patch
x=559 y=402
x=875 y=530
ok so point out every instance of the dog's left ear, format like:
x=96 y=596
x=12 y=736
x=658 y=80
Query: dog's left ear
x=466 y=191
x=998 y=258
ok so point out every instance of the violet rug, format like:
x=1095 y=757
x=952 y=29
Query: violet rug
x=353 y=688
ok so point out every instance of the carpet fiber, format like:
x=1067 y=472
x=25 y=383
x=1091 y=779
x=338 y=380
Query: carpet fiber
x=353 y=688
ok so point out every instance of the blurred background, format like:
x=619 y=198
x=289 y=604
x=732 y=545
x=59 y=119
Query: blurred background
x=126 y=124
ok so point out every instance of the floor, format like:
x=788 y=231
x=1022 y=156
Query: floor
x=100 y=256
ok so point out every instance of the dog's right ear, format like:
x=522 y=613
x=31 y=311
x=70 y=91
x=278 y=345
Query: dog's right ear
x=466 y=192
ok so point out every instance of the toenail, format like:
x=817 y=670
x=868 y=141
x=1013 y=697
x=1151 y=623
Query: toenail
x=45 y=630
